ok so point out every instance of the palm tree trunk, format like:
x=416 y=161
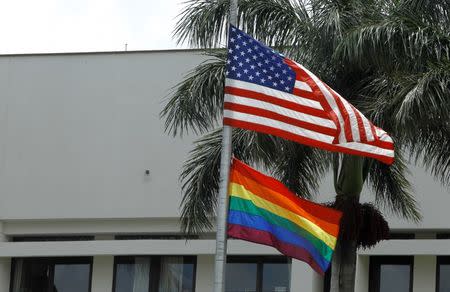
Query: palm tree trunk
x=343 y=268
x=348 y=181
x=336 y=269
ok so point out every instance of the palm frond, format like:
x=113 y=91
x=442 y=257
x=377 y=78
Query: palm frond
x=279 y=23
x=200 y=177
x=428 y=95
x=196 y=104
x=403 y=98
x=403 y=34
x=397 y=103
x=392 y=189
x=203 y=23
x=431 y=147
x=301 y=168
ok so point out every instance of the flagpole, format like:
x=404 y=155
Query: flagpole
x=222 y=209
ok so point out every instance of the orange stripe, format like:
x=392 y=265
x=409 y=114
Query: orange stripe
x=314 y=209
x=280 y=200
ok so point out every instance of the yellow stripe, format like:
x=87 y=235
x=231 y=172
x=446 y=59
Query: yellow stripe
x=237 y=190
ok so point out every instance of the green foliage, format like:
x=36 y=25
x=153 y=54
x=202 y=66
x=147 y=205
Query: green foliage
x=390 y=59
x=196 y=104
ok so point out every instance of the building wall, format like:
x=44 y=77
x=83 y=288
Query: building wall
x=78 y=131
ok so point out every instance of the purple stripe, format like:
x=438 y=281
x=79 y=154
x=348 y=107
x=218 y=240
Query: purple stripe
x=266 y=238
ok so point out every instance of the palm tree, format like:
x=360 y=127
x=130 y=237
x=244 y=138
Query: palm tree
x=390 y=59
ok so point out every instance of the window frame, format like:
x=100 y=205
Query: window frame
x=52 y=261
x=439 y=261
x=377 y=261
x=260 y=261
x=155 y=268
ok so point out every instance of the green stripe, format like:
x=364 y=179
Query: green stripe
x=247 y=206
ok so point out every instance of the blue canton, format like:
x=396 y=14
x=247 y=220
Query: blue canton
x=251 y=61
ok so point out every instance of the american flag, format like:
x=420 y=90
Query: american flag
x=269 y=93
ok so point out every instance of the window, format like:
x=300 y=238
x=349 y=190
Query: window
x=399 y=235
x=258 y=274
x=51 y=274
x=155 y=236
x=443 y=274
x=51 y=238
x=391 y=274
x=154 y=273
x=443 y=236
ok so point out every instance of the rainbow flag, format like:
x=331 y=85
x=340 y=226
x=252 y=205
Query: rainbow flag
x=263 y=210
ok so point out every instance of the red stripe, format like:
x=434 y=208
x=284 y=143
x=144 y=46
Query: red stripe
x=374 y=131
x=277 y=101
x=303 y=76
x=344 y=113
x=381 y=144
x=266 y=238
x=305 y=94
x=311 y=142
x=324 y=213
x=278 y=117
x=361 y=128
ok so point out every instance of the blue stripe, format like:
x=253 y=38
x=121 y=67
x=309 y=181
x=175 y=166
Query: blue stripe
x=257 y=222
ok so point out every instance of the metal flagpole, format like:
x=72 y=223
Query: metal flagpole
x=222 y=209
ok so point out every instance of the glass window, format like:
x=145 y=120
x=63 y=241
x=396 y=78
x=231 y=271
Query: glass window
x=391 y=274
x=443 y=274
x=154 y=273
x=258 y=274
x=276 y=277
x=245 y=272
x=51 y=274
x=133 y=274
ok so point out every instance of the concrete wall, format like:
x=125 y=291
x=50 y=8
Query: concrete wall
x=77 y=133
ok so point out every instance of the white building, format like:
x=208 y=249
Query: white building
x=79 y=213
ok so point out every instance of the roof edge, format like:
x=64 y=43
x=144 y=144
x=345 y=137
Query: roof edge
x=101 y=52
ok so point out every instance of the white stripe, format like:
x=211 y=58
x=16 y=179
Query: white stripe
x=330 y=100
x=302 y=85
x=280 y=110
x=367 y=128
x=273 y=93
x=382 y=135
x=353 y=121
x=278 y=125
x=368 y=149
x=352 y=116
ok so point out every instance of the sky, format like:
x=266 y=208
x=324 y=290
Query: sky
x=49 y=26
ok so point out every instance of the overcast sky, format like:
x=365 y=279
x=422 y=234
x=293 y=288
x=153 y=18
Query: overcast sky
x=37 y=26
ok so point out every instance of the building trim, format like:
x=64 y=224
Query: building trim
x=128 y=247
x=415 y=247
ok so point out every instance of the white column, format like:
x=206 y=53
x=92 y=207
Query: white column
x=5 y=265
x=362 y=273
x=204 y=273
x=102 y=273
x=317 y=282
x=301 y=277
x=424 y=274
